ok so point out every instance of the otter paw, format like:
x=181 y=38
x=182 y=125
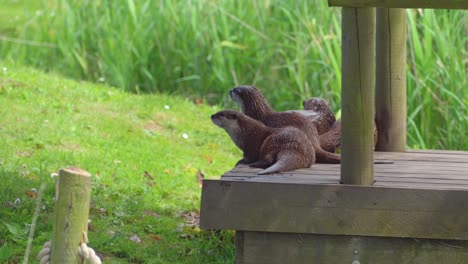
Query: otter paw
x=258 y=164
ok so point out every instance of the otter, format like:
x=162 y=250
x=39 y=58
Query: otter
x=254 y=105
x=331 y=138
x=319 y=108
x=273 y=149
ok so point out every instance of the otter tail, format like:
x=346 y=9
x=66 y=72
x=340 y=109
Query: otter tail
x=327 y=157
x=286 y=162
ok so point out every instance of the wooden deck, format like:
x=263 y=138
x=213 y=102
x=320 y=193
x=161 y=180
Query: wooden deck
x=440 y=170
x=416 y=212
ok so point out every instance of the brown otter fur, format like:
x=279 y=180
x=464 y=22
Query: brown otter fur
x=331 y=139
x=254 y=104
x=320 y=108
x=273 y=149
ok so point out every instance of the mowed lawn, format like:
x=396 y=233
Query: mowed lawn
x=145 y=154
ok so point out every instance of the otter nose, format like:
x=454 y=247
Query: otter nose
x=233 y=91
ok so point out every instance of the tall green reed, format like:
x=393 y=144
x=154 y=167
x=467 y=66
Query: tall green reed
x=290 y=49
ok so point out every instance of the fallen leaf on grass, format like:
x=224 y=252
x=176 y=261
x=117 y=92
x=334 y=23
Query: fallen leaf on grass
x=200 y=177
x=31 y=193
x=103 y=211
x=191 y=219
x=151 y=213
x=154 y=237
x=150 y=183
x=9 y=204
x=25 y=153
x=186 y=236
x=135 y=239
x=208 y=158
x=198 y=101
x=148 y=175
x=186 y=252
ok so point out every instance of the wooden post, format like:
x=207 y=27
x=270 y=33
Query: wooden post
x=443 y=4
x=357 y=95
x=390 y=85
x=71 y=214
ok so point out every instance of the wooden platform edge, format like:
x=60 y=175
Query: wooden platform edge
x=278 y=248
x=334 y=209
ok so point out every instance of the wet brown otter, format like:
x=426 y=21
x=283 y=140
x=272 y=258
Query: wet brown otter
x=273 y=149
x=331 y=138
x=254 y=104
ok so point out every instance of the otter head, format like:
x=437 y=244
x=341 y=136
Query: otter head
x=238 y=126
x=320 y=107
x=226 y=119
x=316 y=104
x=251 y=100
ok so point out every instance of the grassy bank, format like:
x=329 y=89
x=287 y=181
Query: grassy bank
x=144 y=169
x=291 y=49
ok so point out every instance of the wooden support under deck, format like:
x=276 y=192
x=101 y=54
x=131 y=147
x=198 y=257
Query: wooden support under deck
x=390 y=83
x=416 y=212
x=443 y=4
x=357 y=95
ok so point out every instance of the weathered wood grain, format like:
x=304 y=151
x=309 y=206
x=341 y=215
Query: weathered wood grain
x=335 y=209
x=390 y=80
x=357 y=95
x=239 y=247
x=421 y=156
x=440 y=4
x=280 y=248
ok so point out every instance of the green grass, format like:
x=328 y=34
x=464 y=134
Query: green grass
x=49 y=122
x=290 y=49
x=196 y=49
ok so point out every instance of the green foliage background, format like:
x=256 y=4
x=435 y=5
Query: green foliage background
x=171 y=53
x=289 y=49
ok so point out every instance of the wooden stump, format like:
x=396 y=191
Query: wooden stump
x=71 y=214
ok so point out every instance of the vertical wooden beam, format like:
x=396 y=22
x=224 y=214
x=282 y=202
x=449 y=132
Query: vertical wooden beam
x=357 y=95
x=390 y=101
x=239 y=247
x=71 y=215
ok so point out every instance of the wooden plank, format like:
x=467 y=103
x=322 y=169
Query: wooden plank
x=390 y=80
x=398 y=167
x=280 y=248
x=437 y=151
x=403 y=171
x=239 y=247
x=334 y=209
x=433 y=157
x=436 y=4
x=357 y=95
x=319 y=177
x=334 y=180
x=331 y=178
